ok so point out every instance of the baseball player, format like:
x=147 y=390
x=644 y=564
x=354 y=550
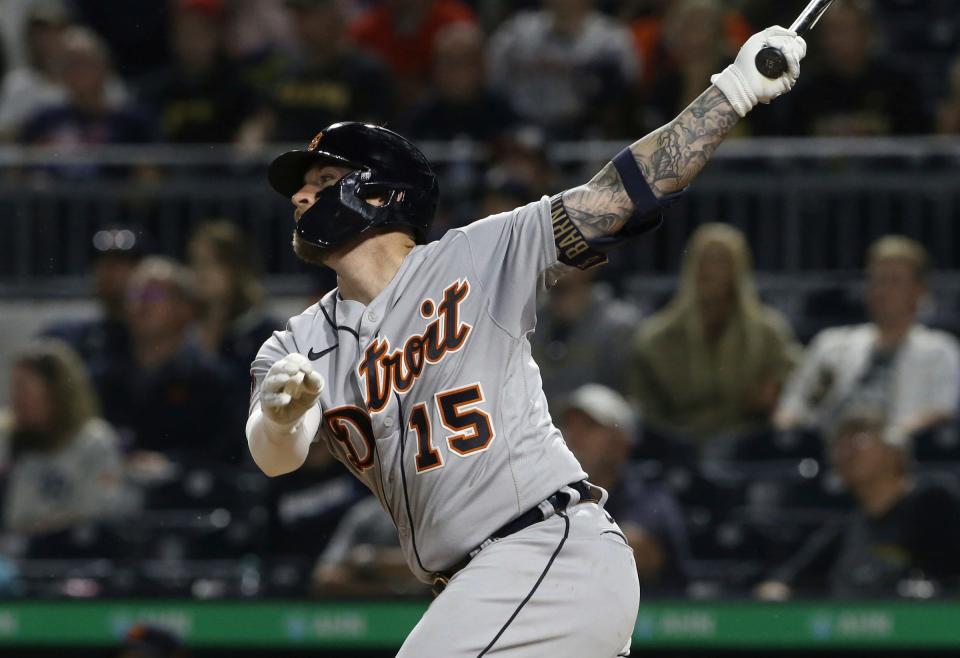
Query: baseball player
x=416 y=373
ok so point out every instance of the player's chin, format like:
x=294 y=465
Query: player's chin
x=310 y=253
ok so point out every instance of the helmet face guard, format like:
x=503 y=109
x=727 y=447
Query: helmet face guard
x=342 y=212
x=386 y=166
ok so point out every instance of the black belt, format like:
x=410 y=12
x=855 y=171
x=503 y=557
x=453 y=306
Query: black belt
x=559 y=500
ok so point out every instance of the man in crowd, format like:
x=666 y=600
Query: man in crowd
x=583 y=335
x=401 y=33
x=903 y=530
x=90 y=115
x=600 y=428
x=200 y=97
x=115 y=253
x=305 y=508
x=562 y=67
x=892 y=363
x=363 y=558
x=461 y=105
x=169 y=397
x=33 y=83
x=328 y=79
x=856 y=92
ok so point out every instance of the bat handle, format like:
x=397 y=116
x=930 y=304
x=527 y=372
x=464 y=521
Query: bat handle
x=771 y=62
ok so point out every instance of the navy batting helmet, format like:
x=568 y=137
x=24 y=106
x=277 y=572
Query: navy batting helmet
x=385 y=165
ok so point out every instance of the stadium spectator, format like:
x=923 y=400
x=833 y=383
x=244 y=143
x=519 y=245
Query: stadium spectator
x=402 y=33
x=483 y=191
x=305 y=509
x=583 y=335
x=460 y=105
x=522 y=156
x=563 y=67
x=88 y=116
x=36 y=83
x=920 y=29
x=665 y=46
x=116 y=251
x=713 y=361
x=170 y=399
x=137 y=32
x=151 y=641
x=12 y=29
x=363 y=558
x=763 y=12
x=630 y=9
x=600 y=428
x=502 y=193
x=681 y=51
x=256 y=28
x=200 y=97
x=64 y=465
x=948 y=115
x=232 y=321
x=893 y=362
x=855 y=91
x=261 y=41
x=329 y=81
x=904 y=528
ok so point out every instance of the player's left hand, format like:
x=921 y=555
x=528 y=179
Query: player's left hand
x=741 y=82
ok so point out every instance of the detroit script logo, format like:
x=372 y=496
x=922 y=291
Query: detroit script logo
x=385 y=370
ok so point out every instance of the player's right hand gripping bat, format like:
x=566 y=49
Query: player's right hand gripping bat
x=770 y=61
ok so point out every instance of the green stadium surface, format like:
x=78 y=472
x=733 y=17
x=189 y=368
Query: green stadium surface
x=367 y=625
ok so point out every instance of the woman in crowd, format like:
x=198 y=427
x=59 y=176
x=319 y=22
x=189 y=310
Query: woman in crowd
x=62 y=461
x=714 y=360
x=233 y=323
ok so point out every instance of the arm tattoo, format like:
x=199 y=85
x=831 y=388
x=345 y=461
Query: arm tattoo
x=669 y=159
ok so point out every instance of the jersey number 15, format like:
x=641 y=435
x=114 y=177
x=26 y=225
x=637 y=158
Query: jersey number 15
x=471 y=428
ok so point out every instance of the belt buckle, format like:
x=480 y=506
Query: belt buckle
x=440 y=582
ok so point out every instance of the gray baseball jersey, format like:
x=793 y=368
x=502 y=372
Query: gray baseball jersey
x=432 y=398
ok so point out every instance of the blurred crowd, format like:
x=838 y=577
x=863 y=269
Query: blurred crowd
x=746 y=452
x=248 y=72
x=739 y=461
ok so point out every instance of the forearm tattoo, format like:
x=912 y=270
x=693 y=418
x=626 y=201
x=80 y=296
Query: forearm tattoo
x=669 y=159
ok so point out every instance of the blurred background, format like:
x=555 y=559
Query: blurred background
x=767 y=386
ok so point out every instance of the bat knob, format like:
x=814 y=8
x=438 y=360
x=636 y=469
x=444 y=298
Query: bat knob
x=771 y=62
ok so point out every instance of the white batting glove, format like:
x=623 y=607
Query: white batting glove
x=290 y=388
x=741 y=82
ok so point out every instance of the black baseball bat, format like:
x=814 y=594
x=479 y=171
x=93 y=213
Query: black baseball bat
x=770 y=61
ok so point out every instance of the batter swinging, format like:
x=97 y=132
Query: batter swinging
x=416 y=372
